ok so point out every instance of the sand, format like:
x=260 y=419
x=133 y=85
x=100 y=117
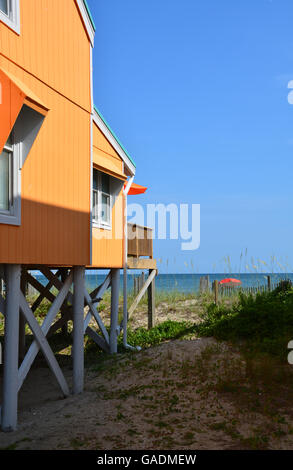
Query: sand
x=164 y=397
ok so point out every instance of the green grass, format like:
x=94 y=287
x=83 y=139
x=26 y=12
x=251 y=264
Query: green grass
x=168 y=330
x=264 y=322
x=162 y=296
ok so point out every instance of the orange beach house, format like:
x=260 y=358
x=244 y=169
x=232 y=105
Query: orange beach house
x=64 y=180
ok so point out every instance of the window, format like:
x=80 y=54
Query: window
x=6 y=183
x=13 y=156
x=101 y=199
x=5 y=7
x=10 y=183
x=9 y=14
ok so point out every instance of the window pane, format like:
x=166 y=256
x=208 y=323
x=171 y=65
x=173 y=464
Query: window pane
x=4 y=6
x=105 y=183
x=105 y=213
x=95 y=179
x=4 y=181
x=95 y=205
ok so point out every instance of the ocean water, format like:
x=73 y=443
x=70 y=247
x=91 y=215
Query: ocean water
x=185 y=283
x=188 y=283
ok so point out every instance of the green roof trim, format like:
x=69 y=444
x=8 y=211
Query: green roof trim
x=114 y=135
x=89 y=13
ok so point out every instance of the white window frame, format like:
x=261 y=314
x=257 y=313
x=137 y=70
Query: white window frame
x=13 y=215
x=97 y=195
x=12 y=20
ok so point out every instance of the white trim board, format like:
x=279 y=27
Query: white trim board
x=91 y=155
x=86 y=20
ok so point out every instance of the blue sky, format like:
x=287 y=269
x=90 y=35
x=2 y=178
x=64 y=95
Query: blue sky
x=197 y=92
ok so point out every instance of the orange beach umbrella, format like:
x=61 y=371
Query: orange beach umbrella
x=230 y=281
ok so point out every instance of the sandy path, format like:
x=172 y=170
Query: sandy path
x=159 y=398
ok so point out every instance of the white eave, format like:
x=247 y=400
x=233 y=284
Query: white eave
x=86 y=20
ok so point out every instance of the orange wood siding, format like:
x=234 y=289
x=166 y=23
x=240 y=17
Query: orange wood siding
x=104 y=154
x=109 y=164
x=53 y=46
x=52 y=58
x=107 y=245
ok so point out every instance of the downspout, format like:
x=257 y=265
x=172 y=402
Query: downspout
x=125 y=310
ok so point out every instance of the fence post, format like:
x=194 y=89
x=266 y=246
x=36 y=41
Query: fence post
x=269 y=283
x=216 y=289
x=200 y=285
x=204 y=284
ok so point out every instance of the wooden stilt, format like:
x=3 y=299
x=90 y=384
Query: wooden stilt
x=151 y=303
x=2 y=305
x=67 y=315
x=94 y=313
x=45 y=292
x=115 y=282
x=78 y=329
x=98 y=292
x=98 y=339
x=141 y=293
x=10 y=377
x=64 y=306
x=22 y=322
x=91 y=300
x=21 y=346
x=1 y=280
x=93 y=297
x=43 y=344
x=35 y=347
x=55 y=282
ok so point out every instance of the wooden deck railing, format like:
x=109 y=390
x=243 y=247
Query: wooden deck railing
x=140 y=257
x=140 y=241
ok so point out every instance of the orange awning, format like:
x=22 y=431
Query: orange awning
x=13 y=95
x=136 y=189
x=11 y=101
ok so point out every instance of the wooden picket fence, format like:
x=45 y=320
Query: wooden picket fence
x=232 y=291
x=138 y=282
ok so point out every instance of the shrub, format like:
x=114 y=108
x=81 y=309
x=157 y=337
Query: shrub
x=265 y=321
x=164 y=331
